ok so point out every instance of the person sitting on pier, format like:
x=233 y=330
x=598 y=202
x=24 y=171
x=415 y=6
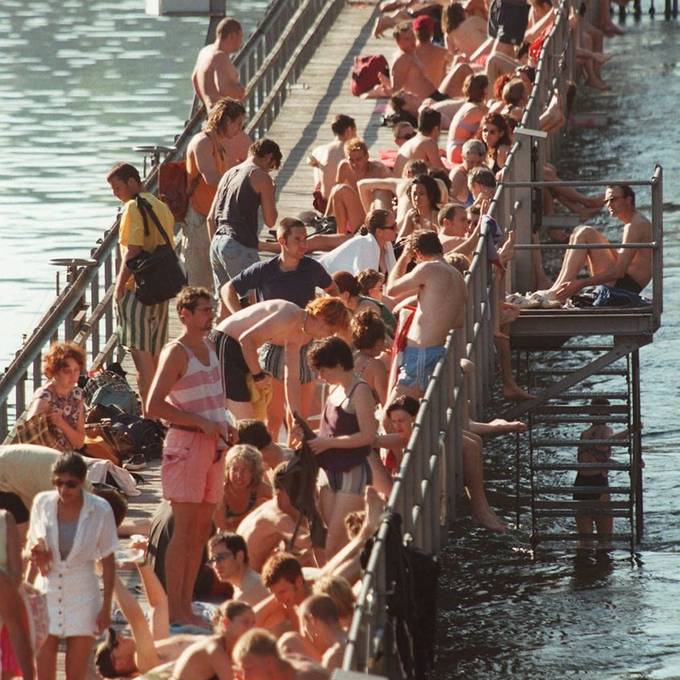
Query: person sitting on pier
x=432 y=280
x=211 y=657
x=424 y=145
x=455 y=232
x=214 y=75
x=60 y=398
x=228 y=556
x=473 y=154
x=326 y=158
x=463 y=32
x=435 y=59
x=426 y=197
x=233 y=217
x=239 y=337
x=343 y=202
x=142 y=329
x=187 y=393
x=468 y=117
x=209 y=155
x=627 y=268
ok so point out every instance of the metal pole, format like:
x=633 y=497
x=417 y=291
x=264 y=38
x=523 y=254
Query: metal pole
x=637 y=447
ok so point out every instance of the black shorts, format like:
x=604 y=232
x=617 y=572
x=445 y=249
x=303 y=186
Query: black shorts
x=628 y=283
x=233 y=366
x=438 y=96
x=14 y=505
x=508 y=21
x=586 y=481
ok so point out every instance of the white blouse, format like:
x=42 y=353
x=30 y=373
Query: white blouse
x=72 y=586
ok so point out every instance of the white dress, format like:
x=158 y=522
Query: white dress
x=356 y=254
x=72 y=586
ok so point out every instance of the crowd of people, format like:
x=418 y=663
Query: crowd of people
x=291 y=393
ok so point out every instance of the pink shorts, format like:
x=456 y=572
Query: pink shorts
x=189 y=471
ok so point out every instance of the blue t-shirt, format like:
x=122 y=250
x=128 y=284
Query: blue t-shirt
x=272 y=283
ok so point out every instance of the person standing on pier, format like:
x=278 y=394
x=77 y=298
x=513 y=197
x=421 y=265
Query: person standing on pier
x=214 y=75
x=187 y=394
x=142 y=329
x=209 y=155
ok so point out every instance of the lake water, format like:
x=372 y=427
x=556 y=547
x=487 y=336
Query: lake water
x=564 y=616
x=81 y=83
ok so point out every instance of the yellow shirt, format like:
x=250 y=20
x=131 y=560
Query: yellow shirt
x=131 y=232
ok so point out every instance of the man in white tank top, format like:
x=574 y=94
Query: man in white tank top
x=187 y=394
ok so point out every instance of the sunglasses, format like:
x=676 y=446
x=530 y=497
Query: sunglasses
x=68 y=483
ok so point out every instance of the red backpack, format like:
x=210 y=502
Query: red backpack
x=365 y=72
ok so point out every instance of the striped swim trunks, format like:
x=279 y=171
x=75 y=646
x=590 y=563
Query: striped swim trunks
x=142 y=327
x=271 y=360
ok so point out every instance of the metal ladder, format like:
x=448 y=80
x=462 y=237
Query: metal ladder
x=557 y=418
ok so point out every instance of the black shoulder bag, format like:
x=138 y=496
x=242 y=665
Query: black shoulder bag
x=158 y=275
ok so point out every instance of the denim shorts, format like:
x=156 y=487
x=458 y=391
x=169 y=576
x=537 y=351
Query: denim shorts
x=228 y=258
x=417 y=366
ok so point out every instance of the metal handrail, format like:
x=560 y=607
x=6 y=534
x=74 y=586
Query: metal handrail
x=83 y=311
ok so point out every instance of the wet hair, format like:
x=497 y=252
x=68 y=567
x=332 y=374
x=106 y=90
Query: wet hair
x=72 y=464
x=457 y=261
x=341 y=123
x=368 y=329
x=279 y=566
x=377 y=219
x=226 y=110
x=448 y=211
x=190 y=296
x=626 y=191
x=355 y=144
x=346 y=283
x=452 y=17
x=368 y=279
x=426 y=242
x=499 y=121
x=424 y=27
x=123 y=172
x=250 y=455
x=482 y=176
x=499 y=84
x=329 y=353
x=353 y=523
x=286 y=226
x=428 y=120
x=401 y=27
x=322 y=608
x=115 y=499
x=232 y=542
x=253 y=432
x=397 y=102
x=440 y=175
x=431 y=189
x=58 y=354
x=331 y=311
x=513 y=92
x=256 y=642
x=227 y=26
x=339 y=590
x=474 y=87
x=476 y=146
x=416 y=167
x=265 y=146
x=404 y=403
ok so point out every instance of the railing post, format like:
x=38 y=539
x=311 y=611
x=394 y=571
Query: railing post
x=522 y=260
x=657 y=235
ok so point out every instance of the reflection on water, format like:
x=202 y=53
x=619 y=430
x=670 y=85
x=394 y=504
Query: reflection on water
x=591 y=615
x=81 y=83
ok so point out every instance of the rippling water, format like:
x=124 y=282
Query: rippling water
x=561 y=616
x=81 y=83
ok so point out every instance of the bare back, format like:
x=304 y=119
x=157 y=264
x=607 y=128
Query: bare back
x=639 y=230
x=419 y=147
x=213 y=74
x=441 y=304
x=435 y=61
x=407 y=73
x=328 y=157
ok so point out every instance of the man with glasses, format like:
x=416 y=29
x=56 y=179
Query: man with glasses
x=187 y=394
x=627 y=268
x=228 y=557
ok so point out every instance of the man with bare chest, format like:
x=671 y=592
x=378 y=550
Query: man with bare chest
x=239 y=336
x=441 y=308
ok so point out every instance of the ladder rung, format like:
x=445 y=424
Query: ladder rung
x=581 y=466
x=566 y=371
x=582 y=505
x=591 y=395
x=560 y=490
x=546 y=537
x=579 y=442
x=559 y=409
x=570 y=513
x=540 y=419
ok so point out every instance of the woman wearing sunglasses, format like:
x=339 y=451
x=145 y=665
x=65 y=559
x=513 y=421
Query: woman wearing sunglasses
x=69 y=530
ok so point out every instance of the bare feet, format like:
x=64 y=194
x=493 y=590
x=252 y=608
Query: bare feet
x=489 y=520
x=373 y=507
x=598 y=84
x=501 y=425
x=516 y=393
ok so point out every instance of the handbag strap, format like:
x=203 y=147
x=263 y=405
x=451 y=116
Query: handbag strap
x=145 y=209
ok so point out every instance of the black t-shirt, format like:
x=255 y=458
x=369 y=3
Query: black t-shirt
x=272 y=283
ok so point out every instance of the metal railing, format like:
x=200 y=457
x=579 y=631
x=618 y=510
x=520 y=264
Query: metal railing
x=269 y=62
x=430 y=479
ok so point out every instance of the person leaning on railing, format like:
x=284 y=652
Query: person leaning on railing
x=60 y=398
